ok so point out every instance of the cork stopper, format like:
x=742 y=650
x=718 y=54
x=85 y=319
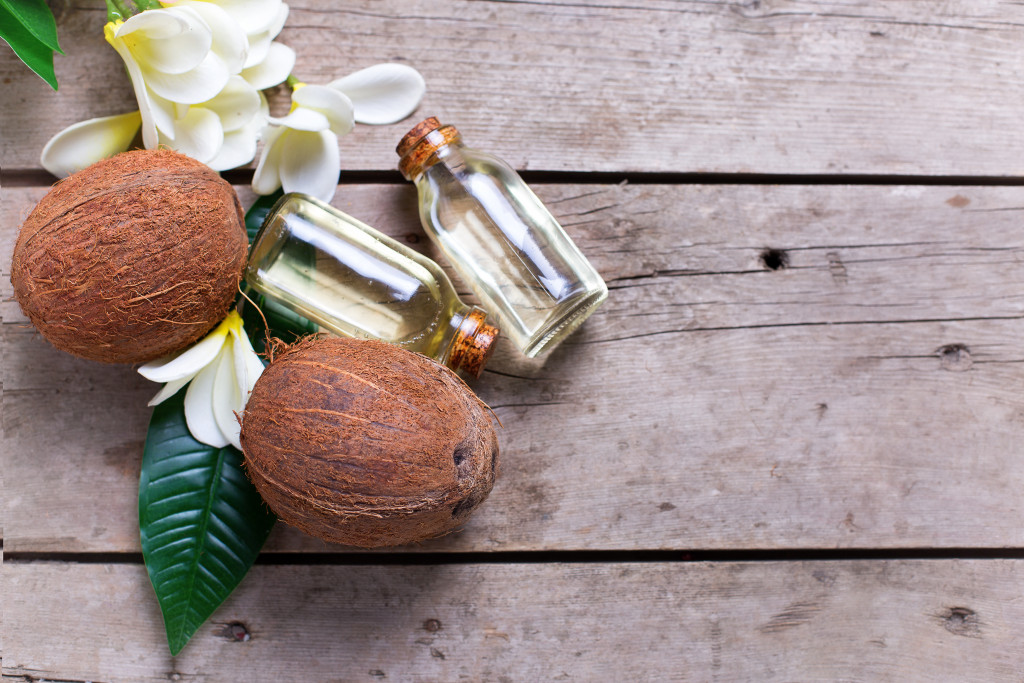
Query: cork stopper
x=419 y=144
x=473 y=343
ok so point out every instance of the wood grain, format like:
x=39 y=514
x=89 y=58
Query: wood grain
x=850 y=621
x=772 y=86
x=866 y=395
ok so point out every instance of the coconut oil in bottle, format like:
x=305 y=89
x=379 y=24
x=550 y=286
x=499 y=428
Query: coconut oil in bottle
x=500 y=238
x=355 y=281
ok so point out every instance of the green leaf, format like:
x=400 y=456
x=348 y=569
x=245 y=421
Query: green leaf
x=257 y=213
x=283 y=323
x=122 y=10
x=35 y=15
x=201 y=521
x=36 y=54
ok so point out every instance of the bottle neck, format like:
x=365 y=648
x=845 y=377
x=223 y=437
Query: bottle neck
x=472 y=341
x=419 y=147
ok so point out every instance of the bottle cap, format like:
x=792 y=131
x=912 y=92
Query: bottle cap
x=473 y=343
x=420 y=143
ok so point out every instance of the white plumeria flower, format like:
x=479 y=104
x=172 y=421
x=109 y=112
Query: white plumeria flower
x=300 y=153
x=220 y=371
x=177 y=56
x=222 y=131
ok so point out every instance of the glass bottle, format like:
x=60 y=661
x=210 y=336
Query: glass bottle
x=500 y=238
x=357 y=282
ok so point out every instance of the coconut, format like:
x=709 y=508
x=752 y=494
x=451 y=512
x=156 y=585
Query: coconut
x=364 y=443
x=133 y=258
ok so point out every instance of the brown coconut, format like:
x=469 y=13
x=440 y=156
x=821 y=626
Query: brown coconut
x=133 y=258
x=367 y=444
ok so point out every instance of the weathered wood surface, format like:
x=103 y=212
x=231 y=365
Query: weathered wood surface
x=866 y=395
x=762 y=86
x=775 y=621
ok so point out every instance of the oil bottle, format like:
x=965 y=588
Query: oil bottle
x=500 y=238
x=355 y=281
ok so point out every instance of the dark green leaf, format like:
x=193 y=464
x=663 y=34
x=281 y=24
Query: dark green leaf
x=35 y=15
x=36 y=54
x=282 y=322
x=202 y=522
x=258 y=212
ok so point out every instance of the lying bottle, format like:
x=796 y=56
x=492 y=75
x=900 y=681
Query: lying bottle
x=500 y=238
x=354 y=281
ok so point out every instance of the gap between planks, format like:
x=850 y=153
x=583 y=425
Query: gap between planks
x=364 y=558
x=28 y=177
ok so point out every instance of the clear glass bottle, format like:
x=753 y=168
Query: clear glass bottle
x=500 y=238
x=357 y=282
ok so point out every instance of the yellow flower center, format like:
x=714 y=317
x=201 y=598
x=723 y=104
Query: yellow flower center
x=110 y=30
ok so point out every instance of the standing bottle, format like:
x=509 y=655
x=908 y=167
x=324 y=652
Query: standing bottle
x=500 y=238
x=357 y=282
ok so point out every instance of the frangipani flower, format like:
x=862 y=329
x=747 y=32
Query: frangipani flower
x=300 y=153
x=176 y=55
x=220 y=371
x=197 y=68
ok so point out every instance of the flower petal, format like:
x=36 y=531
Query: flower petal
x=236 y=104
x=260 y=39
x=239 y=147
x=191 y=87
x=267 y=177
x=310 y=163
x=248 y=366
x=190 y=361
x=304 y=119
x=383 y=93
x=279 y=20
x=199 y=401
x=253 y=16
x=162 y=113
x=259 y=45
x=199 y=134
x=228 y=42
x=149 y=134
x=172 y=40
x=227 y=398
x=168 y=390
x=273 y=69
x=86 y=142
x=157 y=24
x=334 y=104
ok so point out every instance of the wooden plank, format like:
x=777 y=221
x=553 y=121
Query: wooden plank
x=778 y=621
x=775 y=86
x=867 y=395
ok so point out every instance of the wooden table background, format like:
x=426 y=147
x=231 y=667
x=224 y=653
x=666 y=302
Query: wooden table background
x=789 y=446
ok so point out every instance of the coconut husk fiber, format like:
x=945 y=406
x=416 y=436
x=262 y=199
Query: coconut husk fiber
x=364 y=443
x=132 y=258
